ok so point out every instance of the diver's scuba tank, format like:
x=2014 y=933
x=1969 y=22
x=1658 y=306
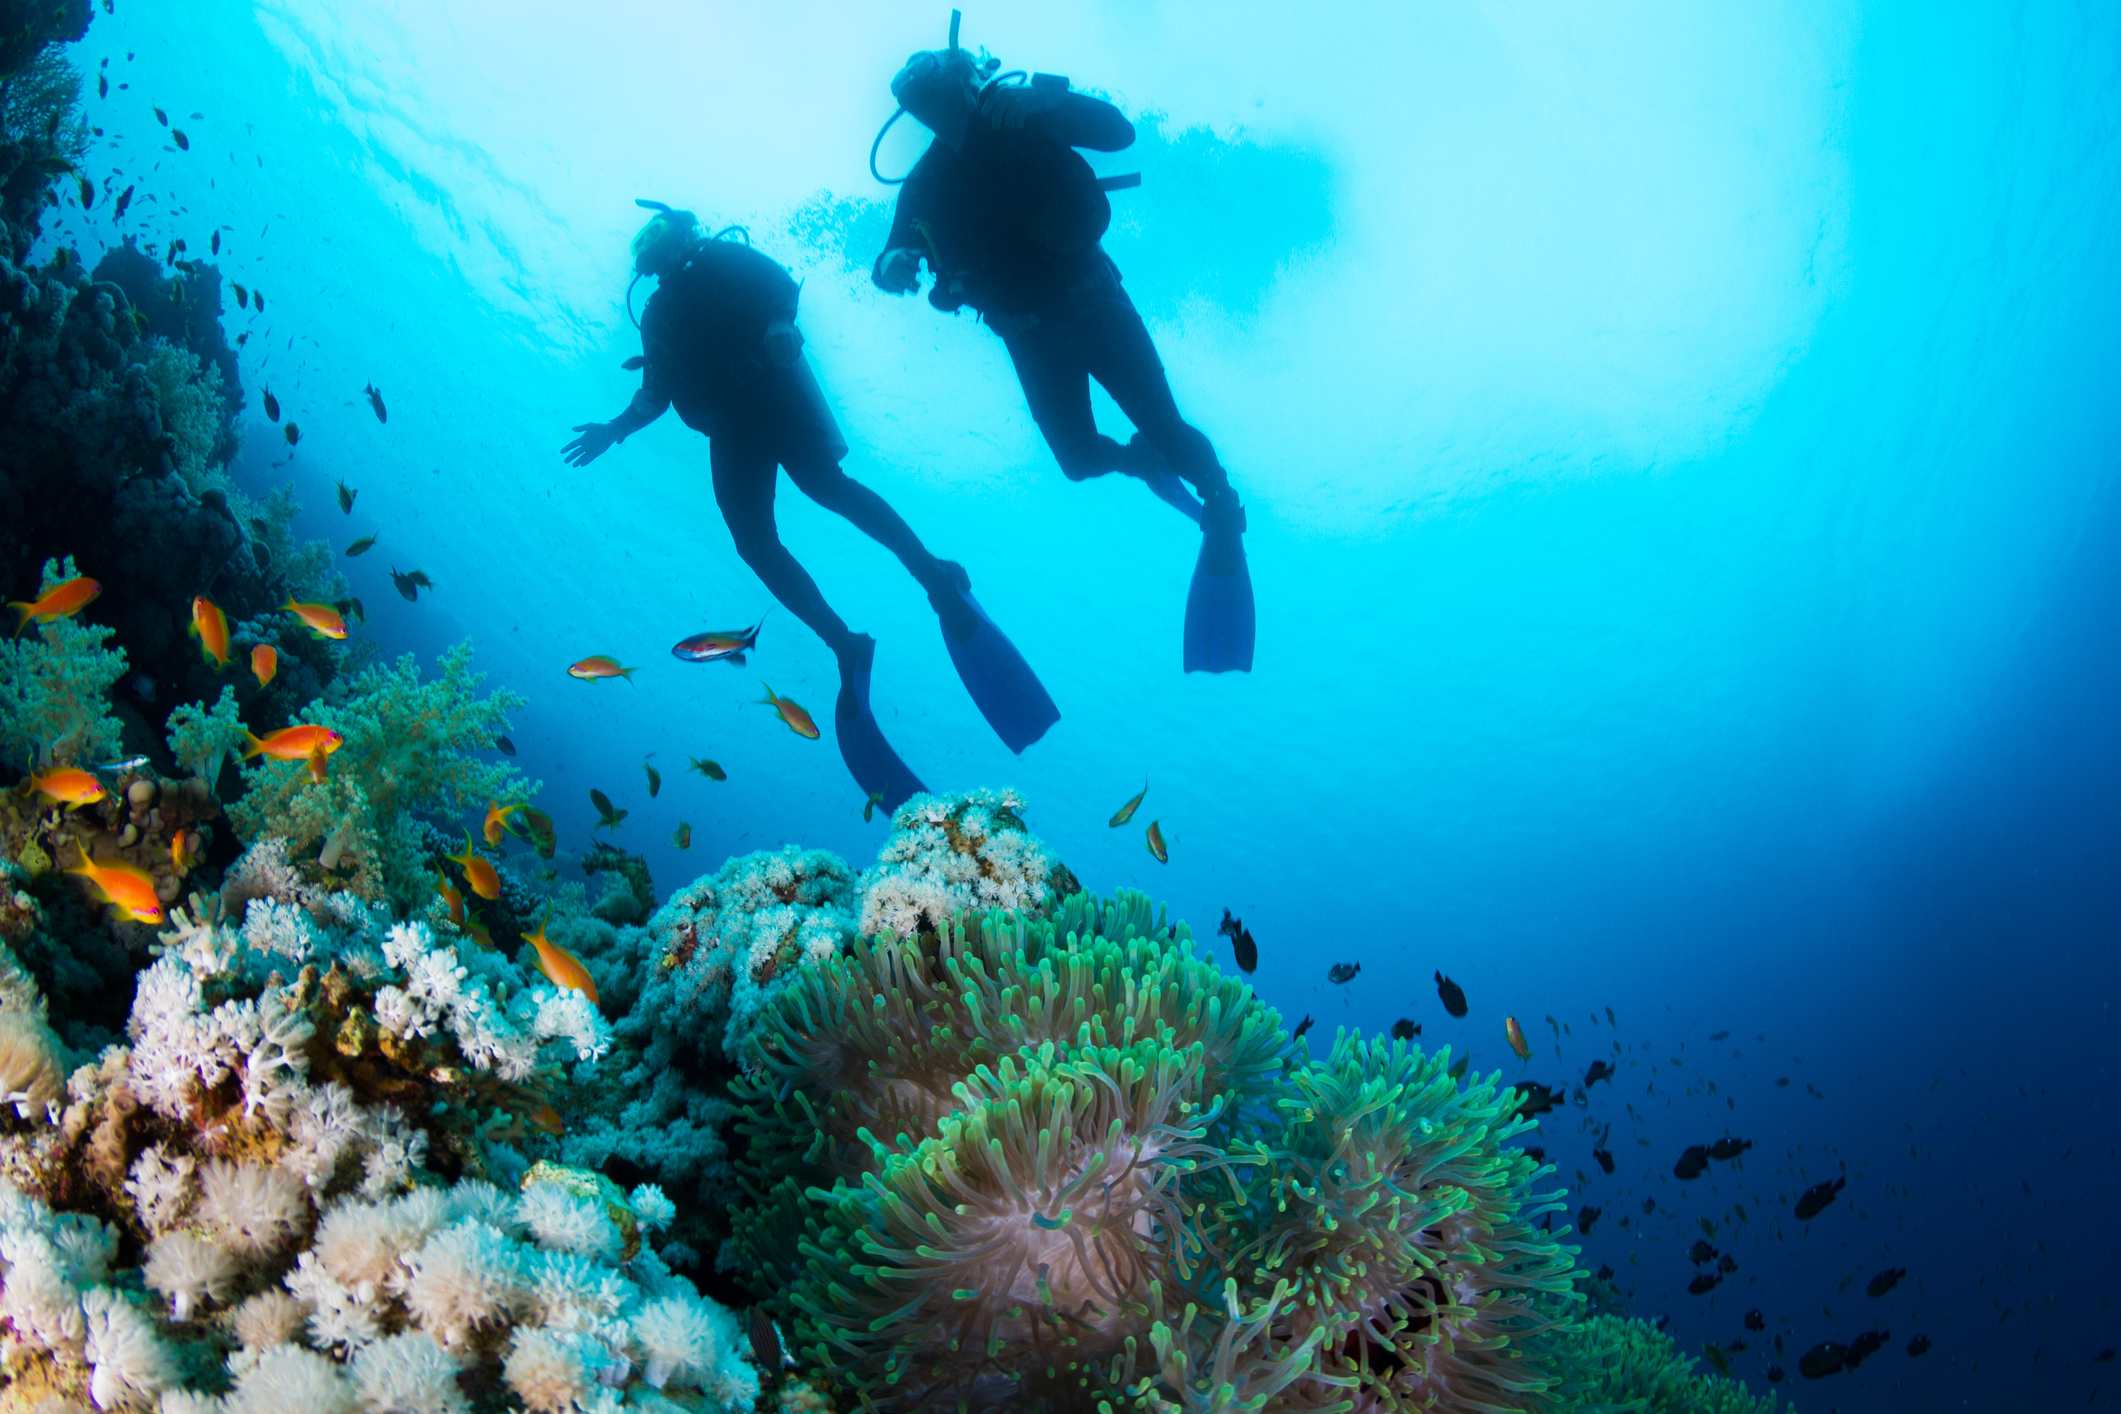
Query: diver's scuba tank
x=664 y=244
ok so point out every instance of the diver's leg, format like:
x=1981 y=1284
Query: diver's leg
x=1123 y=358
x=831 y=487
x=744 y=475
x=1056 y=381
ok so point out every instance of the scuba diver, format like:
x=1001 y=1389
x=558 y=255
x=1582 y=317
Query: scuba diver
x=1007 y=216
x=719 y=343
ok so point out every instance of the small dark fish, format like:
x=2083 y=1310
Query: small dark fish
x=1729 y=1148
x=346 y=497
x=1599 y=1071
x=718 y=645
x=1301 y=1027
x=608 y=818
x=766 y=1350
x=1459 y=1066
x=712 y=770
x=635 y=364
x=683 y=838
x=1604 y=1158
x=410 y=583
x=272 y=406
x=361 y=546
x=1609 y=1017
x=1704 y=1282
x=125 y=199
x=2104 y=1357
x=1885 y=1281
x=257 y=298
x=1155 y=840
x=1754 y=1321
x=88 y=193
x=177 y=136
x=375 y=397
x=292 y=433
x=1726 y=1264
x=1126 y=812
x=1814 y=1200
x=876 y=798
x=1243 y=950
x=161 y=117
x=1538 y=1155
x=1692 y=1164
x=1774 y=1374
x=1700 y=1252
x=1453 y=996
x=537 y=825
x=215 y=243
x=1341 y=972
x=1536 y=1099
x=352 y=608
x=1718 y=1361
x=508 y=748
x=1719 y=1035
x=242 y=295
x=103 y=85
x=655 y=779
x=1586 y=1216
x=1405 y=1029
x=1918 y=1347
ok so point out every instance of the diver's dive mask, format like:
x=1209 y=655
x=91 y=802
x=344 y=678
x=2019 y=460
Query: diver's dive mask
x=925 y=79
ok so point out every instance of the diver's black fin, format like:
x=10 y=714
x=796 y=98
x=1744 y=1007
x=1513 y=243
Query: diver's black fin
x=1003 y=686
x=876 y=768
x=1219 y=613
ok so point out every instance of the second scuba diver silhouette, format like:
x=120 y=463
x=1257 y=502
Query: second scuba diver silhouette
x=1008 y=216
x=719 y=343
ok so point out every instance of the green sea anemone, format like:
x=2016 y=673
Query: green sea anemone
x=1066 y=1163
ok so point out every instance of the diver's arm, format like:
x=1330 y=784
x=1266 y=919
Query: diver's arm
x=593 y=439
x=1048 y=108
x=896 y=269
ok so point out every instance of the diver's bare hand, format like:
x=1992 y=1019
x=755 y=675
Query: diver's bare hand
x=899 y=272
x=596 y=439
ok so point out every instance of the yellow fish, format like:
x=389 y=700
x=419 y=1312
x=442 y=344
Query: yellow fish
x=1156 y=842
x=451 y=897
x=1126 y=812
x=1514 y=1034
x=561 y=966
x=293 y=743
x=264 y=664
x=790 y=712
x=323 y=620
x=600 y=666
x=61 y=601
x=131 y=891
x=69 y=785
x=210 y=626
x=497 y=821
x=478 y=872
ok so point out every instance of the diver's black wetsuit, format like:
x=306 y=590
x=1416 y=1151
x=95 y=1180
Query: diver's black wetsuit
x=1010 y=222
x=702 y=336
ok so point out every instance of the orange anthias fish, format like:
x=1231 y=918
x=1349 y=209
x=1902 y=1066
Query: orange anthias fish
x=180 y=852
x=451 y=897
x=600 y=666
x=61 y=601
x=790 y=712
x=69 y=785
x=265 y=664
x=478 y=872
x=210 y=626
x=497 y=821
x=125 y=888
x=1515 y=1035
x=317 y=754
x=561 y=966
x=293 y=743
x=1156 y=842
x=323 y=619
x=718 y=645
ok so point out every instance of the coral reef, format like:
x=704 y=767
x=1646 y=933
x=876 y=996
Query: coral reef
x=1113 y=1175
x=409 y=772
x=950 y=854
x=55 y=686
x=1617 y=1362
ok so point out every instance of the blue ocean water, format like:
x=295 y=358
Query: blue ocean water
x=1681 y=478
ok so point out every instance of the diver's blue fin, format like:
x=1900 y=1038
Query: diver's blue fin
x=1219 y=614
x=876 y=768
x=1003 y=687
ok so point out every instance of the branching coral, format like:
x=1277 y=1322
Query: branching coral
x=202 y=739
x=55 y=685
x=189 y=394
x=1616 y=1362
x=410 y=756
x=951 y=854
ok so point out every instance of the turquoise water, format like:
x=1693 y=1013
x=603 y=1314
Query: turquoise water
x=1681 y=484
